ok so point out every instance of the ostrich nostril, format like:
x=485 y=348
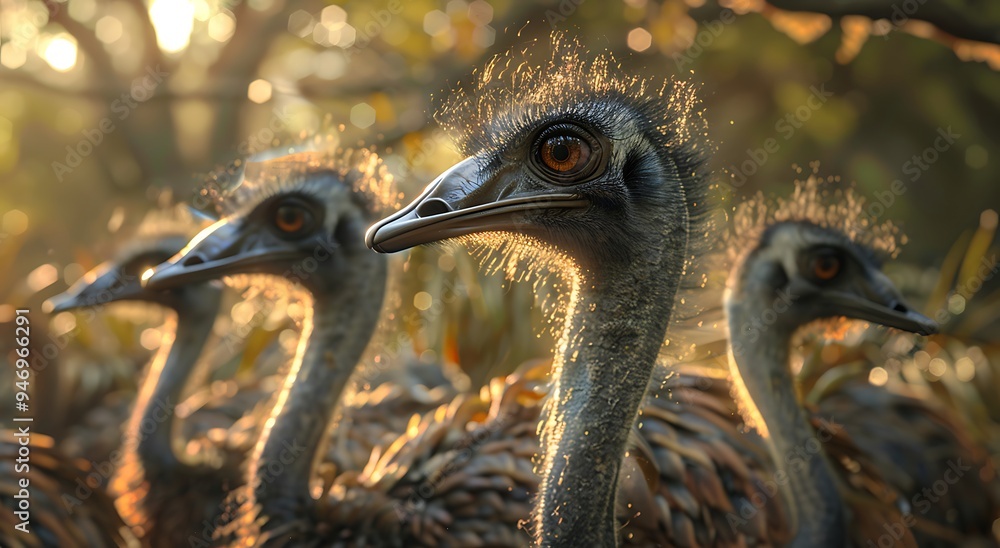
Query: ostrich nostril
x=898 y=307
x=193 y=260
x=433 y=206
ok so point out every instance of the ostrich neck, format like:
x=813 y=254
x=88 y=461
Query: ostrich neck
x=616 y=322
x=760 y=368
x=152 y=424
x=335 y=334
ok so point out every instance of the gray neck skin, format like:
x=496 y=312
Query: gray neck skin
x=335 y=334
x=152 y=424
x=763 y=368
x=614 y=329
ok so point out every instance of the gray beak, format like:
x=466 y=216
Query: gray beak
x=458 y=203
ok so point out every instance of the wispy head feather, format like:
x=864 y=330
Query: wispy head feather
x=361 y=169
x=816 y=201
x=523 y=85
x=165 y=229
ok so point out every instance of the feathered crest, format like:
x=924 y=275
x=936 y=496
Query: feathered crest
x=517 y=87
x=819 y=201
x=168 y=226
x=362 y=169
x=247 y=180
x=167 y=220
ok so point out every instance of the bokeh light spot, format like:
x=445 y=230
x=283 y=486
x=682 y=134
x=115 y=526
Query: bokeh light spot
x=60 y=52
x=436 y=22
x=259 y=91
x=362 y=115
x=422 y=300
x=42 y=277
x=173 y=21
x=878 y=376
x=639 y=39
x=108 y=29
x=15 y=222
x=976 y=157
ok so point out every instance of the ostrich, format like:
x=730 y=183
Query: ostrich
x=481 y=484
x=817 y=258
x=162 y=233
x=603 y=171
x=162 y=494
x=301 y=218
x=152 y=478
x=599 y=174
x=65 y=507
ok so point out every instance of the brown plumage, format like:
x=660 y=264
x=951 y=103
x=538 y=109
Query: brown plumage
x=914 y=459
x=68 y=507
x=463 y=475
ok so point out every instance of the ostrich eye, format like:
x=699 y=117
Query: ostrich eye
x=825 y=266
x=291 y=219
x=565 y=153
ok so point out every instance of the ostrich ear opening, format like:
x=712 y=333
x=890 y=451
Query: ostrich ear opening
x=458 y=203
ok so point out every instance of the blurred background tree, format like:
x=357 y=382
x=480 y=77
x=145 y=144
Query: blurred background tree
x=103 y=104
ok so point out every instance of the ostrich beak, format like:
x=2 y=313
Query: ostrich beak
x=461 y=202
x=223 y=249
x=877 y=300
x=104 y=284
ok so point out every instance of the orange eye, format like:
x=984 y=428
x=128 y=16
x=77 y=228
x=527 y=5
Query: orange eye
x=290 y=219
x=826 y=267
x=565 y=153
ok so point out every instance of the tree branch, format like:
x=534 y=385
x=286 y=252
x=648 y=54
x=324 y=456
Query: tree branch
x=977 y=20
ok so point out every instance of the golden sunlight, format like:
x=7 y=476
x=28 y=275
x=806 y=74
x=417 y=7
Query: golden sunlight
x=173 y=21
x=60 y=52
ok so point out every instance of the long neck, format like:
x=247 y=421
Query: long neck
x=759 y=362
x=150 y=431
x=615 y=325
x=335 y=335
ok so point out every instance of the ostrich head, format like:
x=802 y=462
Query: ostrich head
x=161 y=234
x=571 y=152
x=818 y=251
x=823 y=273
x=300 y=217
